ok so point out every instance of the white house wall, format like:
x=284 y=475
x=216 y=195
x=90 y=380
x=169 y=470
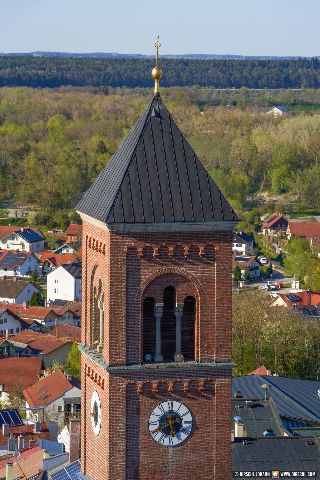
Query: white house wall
x=62 y=286
x=9 y=324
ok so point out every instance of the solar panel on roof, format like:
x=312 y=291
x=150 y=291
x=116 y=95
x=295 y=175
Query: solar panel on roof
x=11 y=417
x=293 y=298
x=68 y=473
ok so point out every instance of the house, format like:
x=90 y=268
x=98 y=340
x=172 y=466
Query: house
x=73 y=233
x=29 y=461
x=262 y=370
x=49 y=261
x=308 y=230
x=24 y=239
x=274 y=225
x=50 y=348
x=67 y=331
x=10 y=322
x=58 y=393
x=18 y=263
x=243 y=243
x=16 y=290
x=278 y=111
x=64 y=283
x=44 y=317
x=305 y=302
x=16 y=374
x=71 y=247
x=249 y=266
x=11 y=348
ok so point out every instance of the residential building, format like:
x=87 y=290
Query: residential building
x=12 y=348
x=16 y=374
x=243 y=243
x=16 y=290
x=308 y=230
x=24 y=239
x=65 y=283
x=19 y=264
x=262 y=370
x=275 y=225
x=305 y=302
x=71 y=247
x=45 y=317
x=73 y=233
x=58 y=393
x=278 y=111
x=50 y=348
x=249 y=266
x=67 y=331
x=49 y=261
x=10 y=322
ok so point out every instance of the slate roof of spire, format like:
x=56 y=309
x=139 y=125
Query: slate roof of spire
x=155 y=177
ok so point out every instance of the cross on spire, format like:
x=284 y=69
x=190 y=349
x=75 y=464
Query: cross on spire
x=156 y=71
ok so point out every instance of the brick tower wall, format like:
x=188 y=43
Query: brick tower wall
x=128 y=267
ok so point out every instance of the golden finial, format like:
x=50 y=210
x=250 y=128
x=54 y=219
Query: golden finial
x=156 y=71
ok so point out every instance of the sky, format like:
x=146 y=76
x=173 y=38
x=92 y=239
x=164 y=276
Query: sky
x=243 y=27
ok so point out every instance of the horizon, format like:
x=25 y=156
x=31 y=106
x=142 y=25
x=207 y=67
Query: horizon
x=247 y=29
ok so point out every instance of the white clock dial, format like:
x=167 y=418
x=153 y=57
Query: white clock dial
x=170 y=423
x=96 y=413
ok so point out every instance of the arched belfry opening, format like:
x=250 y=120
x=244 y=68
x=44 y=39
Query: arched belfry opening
x=169 y=320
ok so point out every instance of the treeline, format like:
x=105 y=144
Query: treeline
x=130 y=72
x=283 y=341
x=54 y=142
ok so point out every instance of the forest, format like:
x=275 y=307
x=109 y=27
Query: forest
x=51 y=72
x=54 y=142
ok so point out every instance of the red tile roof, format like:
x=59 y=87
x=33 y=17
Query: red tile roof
x=6 y=230
x=305 y=229
x=28 y=312
x=68 y=332
x=57 y=259
x=48 y=389
x=262 y=370
x=28 y=433
x=42 y=342
x=306 y=298
x=74 y=307
x=28 y=464
x=19 y=372
x=74 y=229
x=273 y=220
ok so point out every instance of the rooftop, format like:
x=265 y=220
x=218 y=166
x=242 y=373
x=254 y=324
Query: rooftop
x=42 y=342
x=49 y=389
x=74 y=229
x=293 y=398
x=305 y=229
x=155 y=177
x=75 y=269
x=11 y=287
x=19 y=372
x=57 y=259
x=10 y=260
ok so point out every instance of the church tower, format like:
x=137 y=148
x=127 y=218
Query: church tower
x=156 y=319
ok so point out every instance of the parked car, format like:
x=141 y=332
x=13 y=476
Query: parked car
x=279 y=285
x=263 y=260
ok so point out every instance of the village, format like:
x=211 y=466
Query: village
x=40 y=330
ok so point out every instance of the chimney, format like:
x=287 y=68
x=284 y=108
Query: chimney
x=11 y=444
x=24 y=305
x=9 y=471
x=20 y=443
x=74 y=431
x=37 y=427
x=5 y=428
x=238 y=430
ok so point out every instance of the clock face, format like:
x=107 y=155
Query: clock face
x=96 y=413
x=170 y=423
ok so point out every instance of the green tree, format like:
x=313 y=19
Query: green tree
x=36 y=299
x=73 y=363
x=236 y=272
